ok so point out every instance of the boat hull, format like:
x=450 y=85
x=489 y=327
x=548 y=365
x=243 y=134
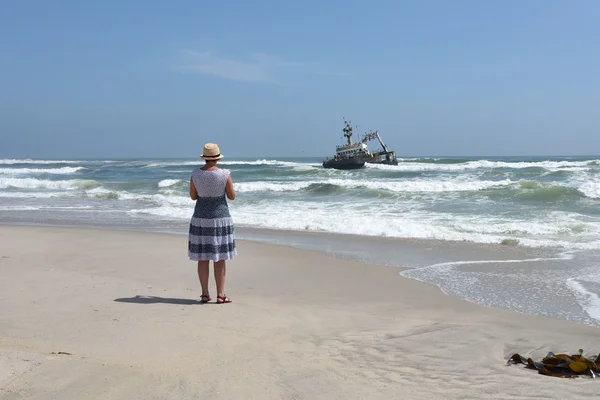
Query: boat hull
x=344 y=164
x=385 y=162
x=383 y=158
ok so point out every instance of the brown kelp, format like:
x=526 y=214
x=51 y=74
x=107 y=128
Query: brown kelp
x=562 y=365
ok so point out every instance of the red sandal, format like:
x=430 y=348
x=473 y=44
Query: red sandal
x=223 y=299
x=205 y=298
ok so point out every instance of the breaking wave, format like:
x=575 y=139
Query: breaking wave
x=26 y=161
x=417 y=165
x=33 y=183
x=39 y=171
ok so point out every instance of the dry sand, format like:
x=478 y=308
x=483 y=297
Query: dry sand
x=302 y=326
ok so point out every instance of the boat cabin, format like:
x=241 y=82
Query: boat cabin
x=353 y=150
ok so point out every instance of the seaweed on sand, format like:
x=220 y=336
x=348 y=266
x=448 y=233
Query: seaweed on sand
x=561 y=365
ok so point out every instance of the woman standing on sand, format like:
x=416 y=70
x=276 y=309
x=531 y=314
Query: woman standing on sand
x=211 y=235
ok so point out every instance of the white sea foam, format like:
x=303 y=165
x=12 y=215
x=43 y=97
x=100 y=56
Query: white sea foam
x=13 y=161
x=588 y=300
x=486 y=165
x=32 y=183
x=171 y=206
x=169 y=211
x=43 y=207
x=35 y=171
x=531 y=284
x=404 y=220
x=156 y=200
x=100 y=192
x=174 y=200
x=551 y=224
x=587 y=183
x=441 y=185
x=411 y=223
x=30 y=161
x=432 y=186
x=19 y=208
x=447 y=269
x=264 y=186
x=168 y=182
x=38 y=195
x=590 y=189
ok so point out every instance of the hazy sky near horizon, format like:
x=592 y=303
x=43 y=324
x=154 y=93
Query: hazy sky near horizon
x=275 y=78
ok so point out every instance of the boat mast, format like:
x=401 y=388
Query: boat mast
x=348 y=132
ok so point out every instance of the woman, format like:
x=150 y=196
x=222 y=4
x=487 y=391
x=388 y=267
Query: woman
x=211 y=235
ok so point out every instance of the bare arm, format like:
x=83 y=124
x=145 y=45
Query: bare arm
x=193 y=192
x=229 y=189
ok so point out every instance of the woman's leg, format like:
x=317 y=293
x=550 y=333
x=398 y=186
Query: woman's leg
x=203 y=274
x=220 y=280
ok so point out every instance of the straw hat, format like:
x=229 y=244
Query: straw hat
x=211 y=152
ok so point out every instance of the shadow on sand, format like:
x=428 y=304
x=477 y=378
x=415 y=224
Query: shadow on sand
x=153 y=300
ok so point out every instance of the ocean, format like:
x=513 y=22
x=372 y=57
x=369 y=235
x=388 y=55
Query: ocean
x=517 y=233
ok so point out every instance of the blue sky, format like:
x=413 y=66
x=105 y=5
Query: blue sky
x=267 y=78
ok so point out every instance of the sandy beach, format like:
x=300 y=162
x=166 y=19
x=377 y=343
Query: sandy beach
x=124 y=307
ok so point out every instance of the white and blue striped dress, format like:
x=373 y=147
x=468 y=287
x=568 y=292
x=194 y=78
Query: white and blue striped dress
x=211 y=235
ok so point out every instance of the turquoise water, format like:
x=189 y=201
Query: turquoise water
x=547 y=204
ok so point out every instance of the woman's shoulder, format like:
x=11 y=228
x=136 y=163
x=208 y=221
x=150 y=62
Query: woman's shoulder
x=223 y=171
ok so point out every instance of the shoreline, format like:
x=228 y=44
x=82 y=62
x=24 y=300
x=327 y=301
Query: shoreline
x=302 y=239
x=413 y=259
x=292 y=247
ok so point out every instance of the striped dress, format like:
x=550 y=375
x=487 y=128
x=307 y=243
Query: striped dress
x=211 y=235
